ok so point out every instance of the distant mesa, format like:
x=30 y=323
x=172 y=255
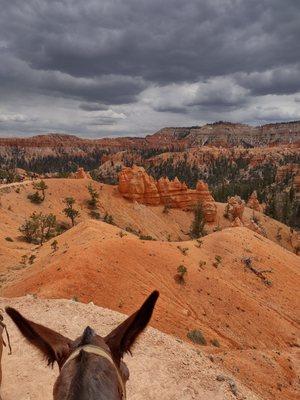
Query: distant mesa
x=136 y=185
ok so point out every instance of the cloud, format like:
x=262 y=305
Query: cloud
x=15 y=118
x=218 y=93
x=173 y=60
x=283 y=80
x=92 y=107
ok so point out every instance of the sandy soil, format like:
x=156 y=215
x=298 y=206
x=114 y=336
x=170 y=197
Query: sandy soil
x=14 y=207
x=161 y=367
x=228 y=302
x=256 y=325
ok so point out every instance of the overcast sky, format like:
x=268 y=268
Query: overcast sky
x=130 y=67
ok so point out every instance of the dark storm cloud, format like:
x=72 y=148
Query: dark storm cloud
x=92 y=107
x=285 y=80
x=16 y=75
x=159 y=41
x=107 y=52
x=171 y=109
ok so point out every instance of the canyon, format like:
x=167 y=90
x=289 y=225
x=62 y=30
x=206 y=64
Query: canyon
x=238 y=280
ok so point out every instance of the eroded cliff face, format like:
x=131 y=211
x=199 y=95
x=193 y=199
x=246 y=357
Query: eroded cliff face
x=136 y=185
x=224 y=134
x=227 y=134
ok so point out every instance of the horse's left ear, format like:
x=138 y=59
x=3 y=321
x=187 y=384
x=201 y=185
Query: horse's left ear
x=53 y=345
x=121 y=339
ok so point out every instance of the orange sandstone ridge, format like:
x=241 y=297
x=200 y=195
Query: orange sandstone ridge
x=136 y=185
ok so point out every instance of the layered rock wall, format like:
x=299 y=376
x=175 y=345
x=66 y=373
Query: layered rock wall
x=136 y=185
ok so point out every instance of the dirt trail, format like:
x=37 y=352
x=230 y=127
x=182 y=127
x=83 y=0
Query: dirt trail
x=161 y=367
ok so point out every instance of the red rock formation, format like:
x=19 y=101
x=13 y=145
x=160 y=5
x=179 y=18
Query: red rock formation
x=136 y=185
x=237 y=222
x=80 y=174
x=253 y=202
x=288 y=169
x=234 y=208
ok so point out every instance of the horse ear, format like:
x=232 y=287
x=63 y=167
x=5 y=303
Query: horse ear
x=121 y=339
x=51 y=344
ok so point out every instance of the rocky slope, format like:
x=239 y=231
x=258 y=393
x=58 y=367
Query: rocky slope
x=239 y=288
x=142 y=220
x=250 y=314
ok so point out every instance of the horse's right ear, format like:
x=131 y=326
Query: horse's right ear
x=121 y=339
x=51 y=344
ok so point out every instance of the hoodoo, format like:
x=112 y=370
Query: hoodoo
x=253 y=202
x=136 y=185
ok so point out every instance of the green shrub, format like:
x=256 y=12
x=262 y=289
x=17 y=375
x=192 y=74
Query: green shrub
x=54 y=245
x=39 y=228
x=132 y=230
x=69 y=210
x=9 y=239
x=93 y=201
x=215 y=342
x=197 y=228
x=95 y=214
x=35 y=198
x=24 y=259
x=146 y=237
x=40 y=186
x=196 y=336
x=108 y=219
x=183 y=250
x=122 y=234
x=217 y=262
x=199 y=243
x=31 y=259
x=180 y=276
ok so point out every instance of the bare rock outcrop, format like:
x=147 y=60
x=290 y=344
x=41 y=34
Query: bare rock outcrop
x=237 y=223
x=136 y=185
x=80 y=174
x=234 y=208
x=253 y=202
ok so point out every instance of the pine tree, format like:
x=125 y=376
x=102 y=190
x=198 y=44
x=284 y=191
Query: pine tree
x=39 y=228
x=197 y=227
x=69 y=210
x=93 y=201
x=41 y=186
